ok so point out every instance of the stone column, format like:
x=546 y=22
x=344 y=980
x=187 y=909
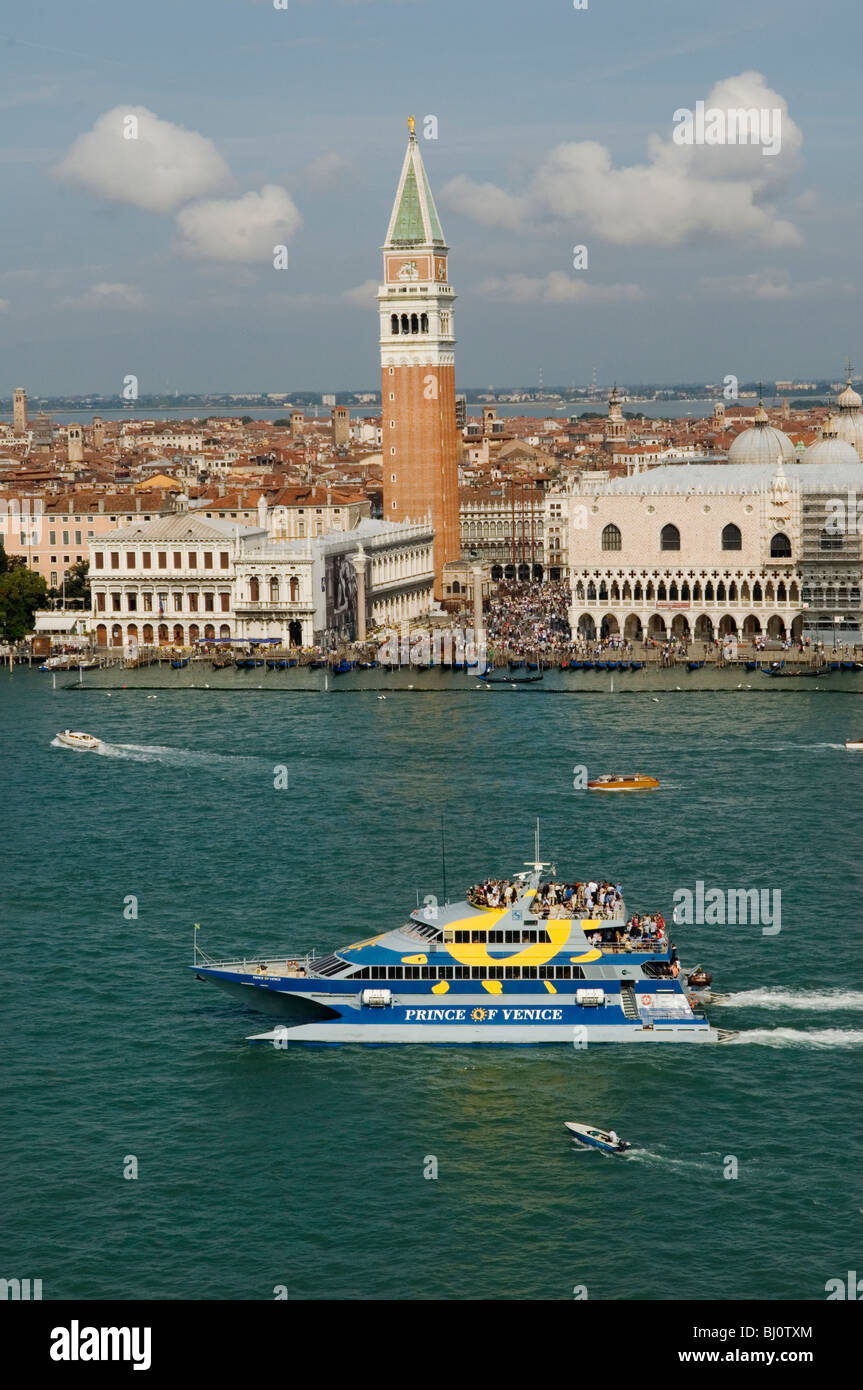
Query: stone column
x=360 y=562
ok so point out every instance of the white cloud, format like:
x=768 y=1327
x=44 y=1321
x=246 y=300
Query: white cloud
x=160 y=169
x=680 y=195
x=773 y=284
x=555 y=288
x=362 y=296
x=485 y=203
x=106 y=295
x=239 y=229
x=327 y=171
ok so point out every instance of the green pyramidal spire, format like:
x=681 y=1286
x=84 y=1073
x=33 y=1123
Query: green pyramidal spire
x=414 y=220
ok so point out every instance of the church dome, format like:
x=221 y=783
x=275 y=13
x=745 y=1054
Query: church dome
x=761 y=443
x=830 y=448
x=849 y=425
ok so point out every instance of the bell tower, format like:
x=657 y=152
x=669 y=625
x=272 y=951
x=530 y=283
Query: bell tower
x=417 y=339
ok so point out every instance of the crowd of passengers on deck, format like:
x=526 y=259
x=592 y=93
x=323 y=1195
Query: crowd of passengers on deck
x=592 y=898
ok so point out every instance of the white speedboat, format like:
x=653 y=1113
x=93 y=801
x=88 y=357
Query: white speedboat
x=854 y=743
x=607 y=1141
x=72 y=739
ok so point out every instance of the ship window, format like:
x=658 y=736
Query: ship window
x=563 y=972
x=462 y=936
x=394 y=972
x=496 y=936
x=528 y=972
x=477 y=972
x=462 y=972
x=512 y=937
x=428 y=972
x=478 y=936
x=495 y=972
x=546 y=972
x=512 y=972
x=412 y=972
x=445 y=972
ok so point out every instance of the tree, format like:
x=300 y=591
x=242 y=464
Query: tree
x=77 y=581
x=21 y=593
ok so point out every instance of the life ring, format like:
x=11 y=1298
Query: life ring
x=647 y=1001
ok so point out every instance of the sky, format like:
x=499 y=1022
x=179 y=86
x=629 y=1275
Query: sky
x=152 y=156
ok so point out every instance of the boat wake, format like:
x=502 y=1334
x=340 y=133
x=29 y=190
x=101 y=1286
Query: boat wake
x=159 y=753
x=791 y=999
x=796 y=1037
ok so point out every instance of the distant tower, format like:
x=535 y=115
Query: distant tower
x=98 y=432
x=297 y=424
x=341 y=425
x=615 y=429
x=420 y=437
x=75 y=444
x=19 y=411
x=43 y=431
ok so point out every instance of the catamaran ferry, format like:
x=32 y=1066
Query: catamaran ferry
x=526 y=960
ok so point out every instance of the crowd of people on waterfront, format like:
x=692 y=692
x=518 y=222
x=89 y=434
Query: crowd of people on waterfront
x=528 y=618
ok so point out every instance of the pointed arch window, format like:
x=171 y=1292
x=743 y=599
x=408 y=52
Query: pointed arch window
x=394 y=323
x=780 y=547
x=611 y=537
x=731 y=537
x=669 y=537
x=424 y=323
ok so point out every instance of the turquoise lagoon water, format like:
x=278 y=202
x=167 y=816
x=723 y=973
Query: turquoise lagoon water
x=304 y=1167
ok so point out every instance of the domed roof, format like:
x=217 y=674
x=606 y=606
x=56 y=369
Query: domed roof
x=830 y=448
x=849 y=426
x=761 y=443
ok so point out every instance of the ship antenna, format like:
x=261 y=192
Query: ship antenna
x=443 y=858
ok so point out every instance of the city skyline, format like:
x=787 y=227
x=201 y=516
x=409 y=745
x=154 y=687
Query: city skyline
x=700 y=262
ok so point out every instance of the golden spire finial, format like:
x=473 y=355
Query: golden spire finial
x=411 y=126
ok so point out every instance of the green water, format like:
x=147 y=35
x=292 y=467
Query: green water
x=305 y=1167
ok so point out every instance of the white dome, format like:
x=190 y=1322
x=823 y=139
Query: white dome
x=849 y=425
x=761 y=443
x=830 y=448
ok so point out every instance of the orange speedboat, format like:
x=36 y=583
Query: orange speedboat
x=622 y=782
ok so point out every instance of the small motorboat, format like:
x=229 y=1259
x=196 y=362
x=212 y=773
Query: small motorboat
x=72 y=739
x=856 y=744
x=605 y=1140
x=700 y=978
x=621 y=782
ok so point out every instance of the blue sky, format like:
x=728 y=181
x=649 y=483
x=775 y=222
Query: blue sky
x=554 y=130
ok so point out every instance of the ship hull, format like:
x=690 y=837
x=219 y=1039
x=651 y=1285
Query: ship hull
x=578 y=1037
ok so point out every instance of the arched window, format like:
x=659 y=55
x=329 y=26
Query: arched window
x=627 y=591
x=669 y=538
x=274 y=590
x=731 y=537
x=720 y=592
x=295 y=588
x=415 y=324
x=591 y=592
x=406 y=328
x=744 y=592
x=830 y=540
x=638 y=591
x=708 y=592
x=661 y=593
x=780 y=547
x=456 y=587
x=696 y=592
x=579 y=589
x=684 y=592
x=794 y=594
x=394 y=323
x=781 y=595
x=672 y=592
x=424 y=323
x=254 y=590
x=603 y=591
x=611 y=537
x=649 y=594
x=615 y=592
x=732 y=592
x=757 y=596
